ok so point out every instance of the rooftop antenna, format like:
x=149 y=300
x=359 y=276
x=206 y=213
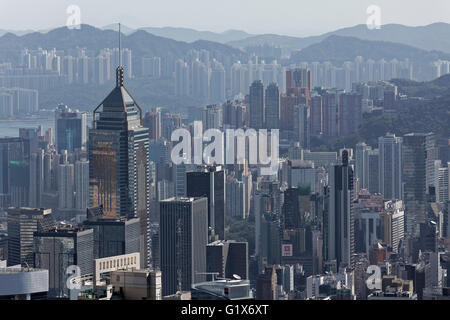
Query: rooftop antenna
x=120 y=46
x=119 y=71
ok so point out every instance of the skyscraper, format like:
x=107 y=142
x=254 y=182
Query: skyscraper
x=114 y=236
x=70 y=129
x=302 y=125
x=119 y=160
x=66 y=186
x=341 y=215
x=58 y=249
x=414 y=179
x=257 y=105
x=82 y=184
x=14 y=172
x=183 y=240
x=390 y=166
x=22 y=223
x=272 y=109
x=227 y=258
x=210 y=183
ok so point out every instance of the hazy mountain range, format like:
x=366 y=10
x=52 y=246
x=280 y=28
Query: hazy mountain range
x=94 y=39
x=186 y=34
x=435 y=36
x=333 y=48
x=338 y=49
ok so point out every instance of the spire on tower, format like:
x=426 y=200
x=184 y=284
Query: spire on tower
x=119 y=70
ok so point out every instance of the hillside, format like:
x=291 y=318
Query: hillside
x=339 y=49
x=433 y=37
x=431 y=113
x=141 y=42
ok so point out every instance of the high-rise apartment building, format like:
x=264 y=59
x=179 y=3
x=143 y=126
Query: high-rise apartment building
x=257 y=105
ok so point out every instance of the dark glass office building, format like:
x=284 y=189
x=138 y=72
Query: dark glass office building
x=114 y=236
x=183 y=240
x=22 y=223
x=210 y=183
x=57 y=250
x=70 y=129
x=341 y=215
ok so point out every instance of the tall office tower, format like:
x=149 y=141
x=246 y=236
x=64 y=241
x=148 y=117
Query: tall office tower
x=291 y=209
x=70 y=129
x=390 y=166
x=341 y=215
x=81 y=184
x=119 y=175
x=14 y=172
x=272 y=106
x=442 y=179
x=227 y=258
x=66 y=186
x=235 y=196
x=114 y=236
x=152 y=121
x=350 y=113
x=431 y=156
x=22 y=223
x=210 y=183
x=361 y=164
x=373 y=177
x=330 y=102
x=58 y=249
x=257 y=105
x=36 y=178
x=217 y=82
x=212 y=117
x=179 y=179
x=183 y=239
x=393 y=223
x=302 y=125
x=414 y=180
x=316 y=115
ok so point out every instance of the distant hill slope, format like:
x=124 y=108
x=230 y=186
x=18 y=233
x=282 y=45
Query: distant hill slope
x=186 y=34
x=141 y=42
x=435 y=36
x=339 y=49
x=429 y=114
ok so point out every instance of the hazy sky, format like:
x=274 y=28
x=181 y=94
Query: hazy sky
x=291 y=17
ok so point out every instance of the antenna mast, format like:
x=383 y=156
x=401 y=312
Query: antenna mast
x=120 y=47
x=119 y=70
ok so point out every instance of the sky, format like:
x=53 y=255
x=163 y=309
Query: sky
x=288 y=17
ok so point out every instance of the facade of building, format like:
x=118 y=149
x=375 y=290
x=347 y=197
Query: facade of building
x=183 y=240
x=119 y=160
